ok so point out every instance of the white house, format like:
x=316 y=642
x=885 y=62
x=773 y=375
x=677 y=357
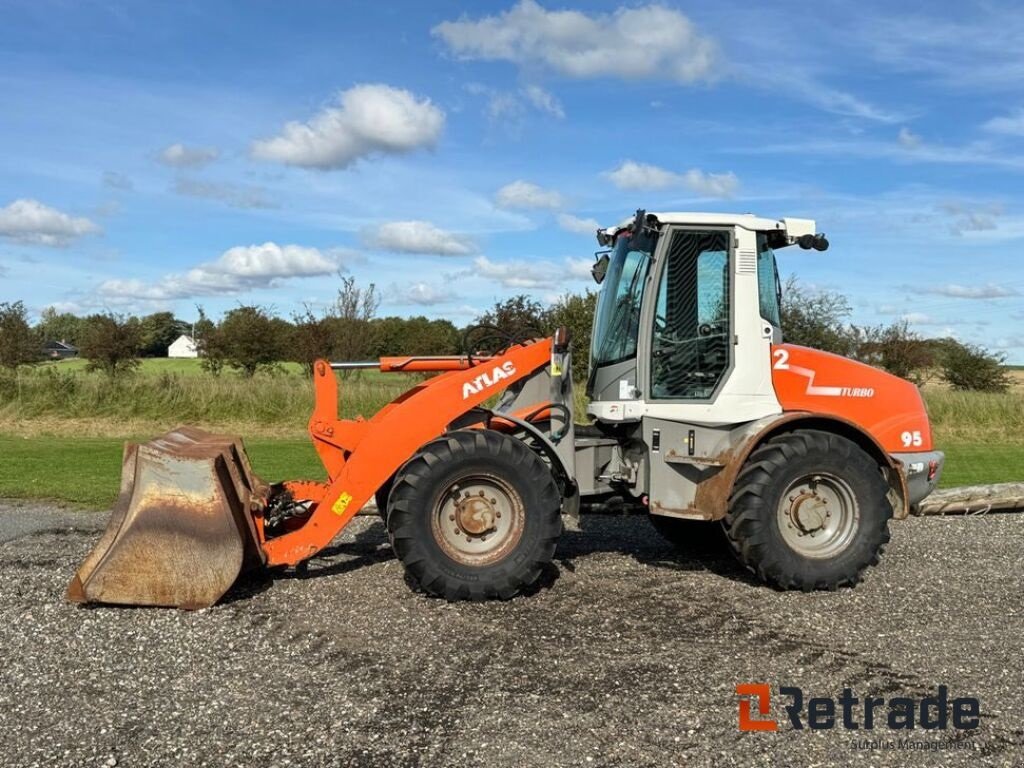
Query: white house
x=183 y=346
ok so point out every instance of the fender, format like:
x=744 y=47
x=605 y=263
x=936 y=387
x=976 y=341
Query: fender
x=712 y=496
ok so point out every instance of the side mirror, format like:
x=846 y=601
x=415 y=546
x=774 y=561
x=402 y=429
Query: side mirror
x=600 y=268
x=817 y=242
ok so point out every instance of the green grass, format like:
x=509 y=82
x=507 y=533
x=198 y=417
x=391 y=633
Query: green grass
x=981 y=464
x=87 y=414
x=86 y=471
x=152 y=399
x=148 y=366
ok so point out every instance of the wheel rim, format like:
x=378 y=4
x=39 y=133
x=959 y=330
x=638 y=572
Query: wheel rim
x=478 y=519
x=818 y=515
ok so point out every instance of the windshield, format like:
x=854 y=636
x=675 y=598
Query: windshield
x=617 y=319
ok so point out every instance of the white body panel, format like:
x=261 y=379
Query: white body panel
x=747 y=392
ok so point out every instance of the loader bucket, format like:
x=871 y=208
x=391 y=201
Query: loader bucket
x=181 y=528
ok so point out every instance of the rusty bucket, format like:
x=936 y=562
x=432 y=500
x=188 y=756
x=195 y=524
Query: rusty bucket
x=181 y=530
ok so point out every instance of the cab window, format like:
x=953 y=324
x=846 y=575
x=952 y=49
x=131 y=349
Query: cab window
x=690 y=339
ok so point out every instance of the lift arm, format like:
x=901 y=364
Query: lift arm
x=361 y=455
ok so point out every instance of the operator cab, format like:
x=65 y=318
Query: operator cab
x=679 y=292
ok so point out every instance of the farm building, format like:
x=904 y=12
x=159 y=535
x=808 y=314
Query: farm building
x=59 y=350
x=183 y=346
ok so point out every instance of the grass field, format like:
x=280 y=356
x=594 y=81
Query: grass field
x=86 y=471
x=62 y=429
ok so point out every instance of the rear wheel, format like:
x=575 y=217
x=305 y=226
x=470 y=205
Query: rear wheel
x=474 y=515
x=810 y=510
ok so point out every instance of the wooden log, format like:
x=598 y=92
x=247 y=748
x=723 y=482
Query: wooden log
x=974 y=500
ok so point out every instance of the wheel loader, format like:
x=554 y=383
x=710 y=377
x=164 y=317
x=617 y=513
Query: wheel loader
x=700 y=415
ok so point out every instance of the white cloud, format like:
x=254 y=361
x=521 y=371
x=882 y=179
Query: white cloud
x=237 y=196
x=958 y=291
x=523 y=194
x=580 y=268
x=544 y=101
x=509 y=108
x=417 y=237
x=531 y=275
x=964 y=219
x=238 y=269
x=631 y=175
x=29 y=221
x=642 y=176
x=181 y=156
x=426 y=295
x=505 y=107
x=630 y=43
x=1011 y=125
x=512 y=274
x=908 y=139
x=369 y=119
x=918 y=318
x=580 y=226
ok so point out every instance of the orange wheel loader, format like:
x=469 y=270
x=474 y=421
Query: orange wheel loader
x=700 y=414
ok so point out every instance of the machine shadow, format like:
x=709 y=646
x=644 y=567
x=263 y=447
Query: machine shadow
x=627 y=534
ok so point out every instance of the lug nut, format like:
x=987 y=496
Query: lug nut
x=451 y=517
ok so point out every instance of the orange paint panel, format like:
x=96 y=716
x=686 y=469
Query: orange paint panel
x=889 y=408
x=399 y=429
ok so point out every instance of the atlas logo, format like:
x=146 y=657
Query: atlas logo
x=486 y=380
x=852 y=713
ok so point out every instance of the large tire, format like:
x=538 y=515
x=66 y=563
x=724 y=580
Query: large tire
x=381 y=497
x=474 y=515
x=809 y=510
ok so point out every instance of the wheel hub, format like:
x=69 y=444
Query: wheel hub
x=818 y=515
x=808 y=511
x=478 y=519
x=476 y=515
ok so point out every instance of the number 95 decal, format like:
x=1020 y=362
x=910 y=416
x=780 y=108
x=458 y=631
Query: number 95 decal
x=911 y=439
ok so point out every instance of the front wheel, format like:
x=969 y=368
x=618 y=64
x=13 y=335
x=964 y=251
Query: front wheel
x=809 y=510
x=474 y=515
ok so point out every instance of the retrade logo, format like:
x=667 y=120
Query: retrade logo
x=936 y=712
x=761 y=693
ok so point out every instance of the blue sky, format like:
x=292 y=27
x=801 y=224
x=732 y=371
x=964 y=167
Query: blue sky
x=164 y=155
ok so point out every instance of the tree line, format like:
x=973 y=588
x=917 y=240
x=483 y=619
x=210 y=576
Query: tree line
x=250 y=338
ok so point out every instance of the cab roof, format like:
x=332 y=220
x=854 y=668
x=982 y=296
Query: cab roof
x=792 y=227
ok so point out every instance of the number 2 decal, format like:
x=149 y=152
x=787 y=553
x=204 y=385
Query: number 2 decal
x=781 y=359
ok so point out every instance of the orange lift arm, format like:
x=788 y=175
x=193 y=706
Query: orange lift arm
x=361 y=455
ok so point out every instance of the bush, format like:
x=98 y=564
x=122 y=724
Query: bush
x=896 y=349
x=816 y=319
x=576 y=312
x=159 y=331
x=247 y=339
x=111 y=344
x=519 y=317
x=19 y=345
x=971 y=367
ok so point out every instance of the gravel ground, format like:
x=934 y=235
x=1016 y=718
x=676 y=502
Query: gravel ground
x=629 y=654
